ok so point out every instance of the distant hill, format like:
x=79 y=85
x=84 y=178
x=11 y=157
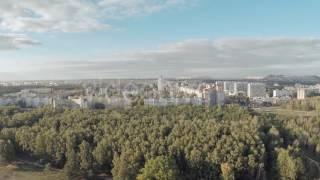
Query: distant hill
x=292 y=79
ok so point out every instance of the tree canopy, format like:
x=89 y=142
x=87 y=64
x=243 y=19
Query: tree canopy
x=174 y=142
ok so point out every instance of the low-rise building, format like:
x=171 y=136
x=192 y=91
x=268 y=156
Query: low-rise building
x=191 y=91
x=282 y=93
x=81 y=101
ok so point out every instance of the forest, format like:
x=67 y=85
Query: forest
x=164 y=143
x=308 y=104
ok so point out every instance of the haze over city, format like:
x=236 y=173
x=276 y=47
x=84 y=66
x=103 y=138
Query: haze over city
x=145 y=38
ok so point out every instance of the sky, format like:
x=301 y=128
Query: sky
x=86 y=39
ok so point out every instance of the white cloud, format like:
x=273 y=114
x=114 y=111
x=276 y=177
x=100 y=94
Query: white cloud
x=15 y=41
x=241 y=52
x=73 y=15
x=222 y=58
x=120 y=8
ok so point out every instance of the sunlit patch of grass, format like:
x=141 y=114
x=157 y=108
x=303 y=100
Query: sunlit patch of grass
x=14 y=172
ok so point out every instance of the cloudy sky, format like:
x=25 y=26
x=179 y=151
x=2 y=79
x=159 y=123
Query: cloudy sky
x=72 y=39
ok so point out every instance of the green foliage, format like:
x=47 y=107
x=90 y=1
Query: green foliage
x=226 y=142
x=308 y=104
x=286 y=165
x=86 y=158
x=40 y=145
x=47 y=167
x=98 y=105
x=126 y=166
x=159 y=168
x=71 y=167
x=7 y=152
x=103 y=154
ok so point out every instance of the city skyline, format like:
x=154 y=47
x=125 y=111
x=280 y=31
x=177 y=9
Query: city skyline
x=92 y=39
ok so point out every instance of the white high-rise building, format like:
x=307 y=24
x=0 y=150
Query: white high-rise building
x=256 y=90
x=228 y=87
x=220 y=85
x=241 y=88
x=301 y=93
x=160 y=84
x=214 y=96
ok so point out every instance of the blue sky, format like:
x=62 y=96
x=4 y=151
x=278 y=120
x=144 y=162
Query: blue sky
x=146 y=38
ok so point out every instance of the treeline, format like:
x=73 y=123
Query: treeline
x=308 y=104
x=164 y=143
x=14 y=89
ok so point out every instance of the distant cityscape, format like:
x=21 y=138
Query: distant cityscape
x=155 y=92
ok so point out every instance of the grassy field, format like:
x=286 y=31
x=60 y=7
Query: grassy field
x=18 y=171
